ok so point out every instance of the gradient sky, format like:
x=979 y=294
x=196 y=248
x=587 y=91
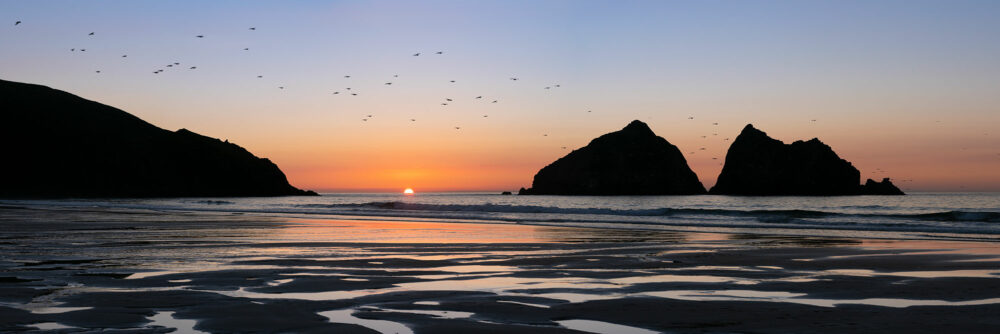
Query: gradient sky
x=903 y=89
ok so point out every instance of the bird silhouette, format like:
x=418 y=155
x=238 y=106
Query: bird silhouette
x=71 y=50
x=170 y=65
x=395 y=75
x=369 y=116
x=494 y=101
x=449 y=100
x=260 y=76
x=364 y=119
x=557 y=86
x=16 y=23
x=440 y=52
x=98 y=71
x=388 y=83
x=335 y=93
x=590 y=111
x=457 y=127
x=416 y=54
x=514 y=79
x=545 y=135
x=715 y=123
x=348 y=88
x=90 y=34
x=253 y=28
x=444 y=104
x=452 y=81
x=200 y=36
x=484 y=116
x=413 y=120
x=548 y=87
x=83 y=50
x=193 y=67
x=246 y=49
x=177 y=63
x=281 y=87
x=479 y=97
x=564 y=147
x=354 y=94
x=690 y=117
x=347 y=76
x=124 y=56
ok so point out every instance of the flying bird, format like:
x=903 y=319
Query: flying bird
x=494 y=101
x=388 y=84
x=590 y=111
x=170 y=65
x=449 y=100
x=557 y=86
x=124 y=56
x=369 y=116
x=193 y=67
x=200 y=36
x=395 y=75
x=347 y=76
x=253 y=28
x=715 y=123
x=452 y=81
x=246 y=49
x=416 y=54
x=690 y=117
x=440 y=52
x=18 y=22
x=514 y=79
x=260 y=76
x=354 y=94
x=71 y=50
x=413 y=120
x=479 y=97
x=281 y=87
x=548 y=87
x=98 y=71
x=83 y=50
x=444 y=104
x=484 y=116
x=457 y=127
x=335 y=93
x=90 y=34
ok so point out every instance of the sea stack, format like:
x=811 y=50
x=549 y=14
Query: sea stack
x=632 y=161
x=759 y=165
x=60 y=145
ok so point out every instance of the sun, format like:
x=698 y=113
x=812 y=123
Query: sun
x=408 y=191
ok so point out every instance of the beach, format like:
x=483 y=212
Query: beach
x=73 y=269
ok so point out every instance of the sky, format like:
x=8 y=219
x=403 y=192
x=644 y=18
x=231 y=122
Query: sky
x=902 y=89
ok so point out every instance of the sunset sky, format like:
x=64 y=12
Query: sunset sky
x=903 y=89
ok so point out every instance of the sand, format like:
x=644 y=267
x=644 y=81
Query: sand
x=74 y=270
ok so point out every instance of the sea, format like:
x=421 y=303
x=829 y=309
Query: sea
x=937 y=216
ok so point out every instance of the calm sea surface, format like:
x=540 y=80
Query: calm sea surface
x=963 y=216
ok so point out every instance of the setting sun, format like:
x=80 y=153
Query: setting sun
x=408 y=191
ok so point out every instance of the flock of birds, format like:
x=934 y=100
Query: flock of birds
x=444 y=102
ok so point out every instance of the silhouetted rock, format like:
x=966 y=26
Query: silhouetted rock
x=506 y=193
x=60 y=145
x=633 y=161
x=760 y=165
x=880 y=188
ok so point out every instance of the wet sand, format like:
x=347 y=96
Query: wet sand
x=76 y=270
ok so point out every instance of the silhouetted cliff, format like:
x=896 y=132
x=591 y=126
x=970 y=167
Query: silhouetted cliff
x=60 y=145
x=633 y=161
x=760 y=165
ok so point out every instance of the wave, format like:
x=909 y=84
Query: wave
x=761 y=215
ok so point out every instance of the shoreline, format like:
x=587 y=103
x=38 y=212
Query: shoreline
x=147 y=271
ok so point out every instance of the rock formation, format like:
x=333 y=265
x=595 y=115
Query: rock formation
x=760 y=165
x=880 y=188
x=60 y=145
x=633 y=161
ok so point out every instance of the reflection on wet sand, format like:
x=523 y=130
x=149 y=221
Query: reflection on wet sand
x=291 y=275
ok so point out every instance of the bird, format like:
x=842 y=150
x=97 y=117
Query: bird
x=690 y=117
x=457 y=127
x=281 y=87
x=444 y=104
x=452 y=81
x=98 y=71
x=413 y=120
x=449 y=100
x=200 y=36
x=83 y=50
x=193 y=67
x=715 y=123
x=416 y=54
x=484 y=116
x=548 y=87
x=260 y=76
x=388 y=83
x=18 y=22
x=354 y=94
x=494 y=101
x=564 y=147
x=335 y=93
x=479 y=97
x=557 y=86
x=814 y=120
x=90 y=34
x=701 y=149
x=395 y=75
x=177 y=63
x=440 y=52
x=348 y=88
x=246 y=49
x=253 y=28
x=71 y=50
x=170 y=65
x=364 y=119
x=590 y=111
x=703 y=136
x=514 y=79
x=369 y=116
x=124 y=56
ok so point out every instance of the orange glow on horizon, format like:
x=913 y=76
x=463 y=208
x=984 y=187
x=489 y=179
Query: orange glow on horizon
x=408 y=191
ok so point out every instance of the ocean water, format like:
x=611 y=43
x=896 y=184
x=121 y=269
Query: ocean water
x=954 y=216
